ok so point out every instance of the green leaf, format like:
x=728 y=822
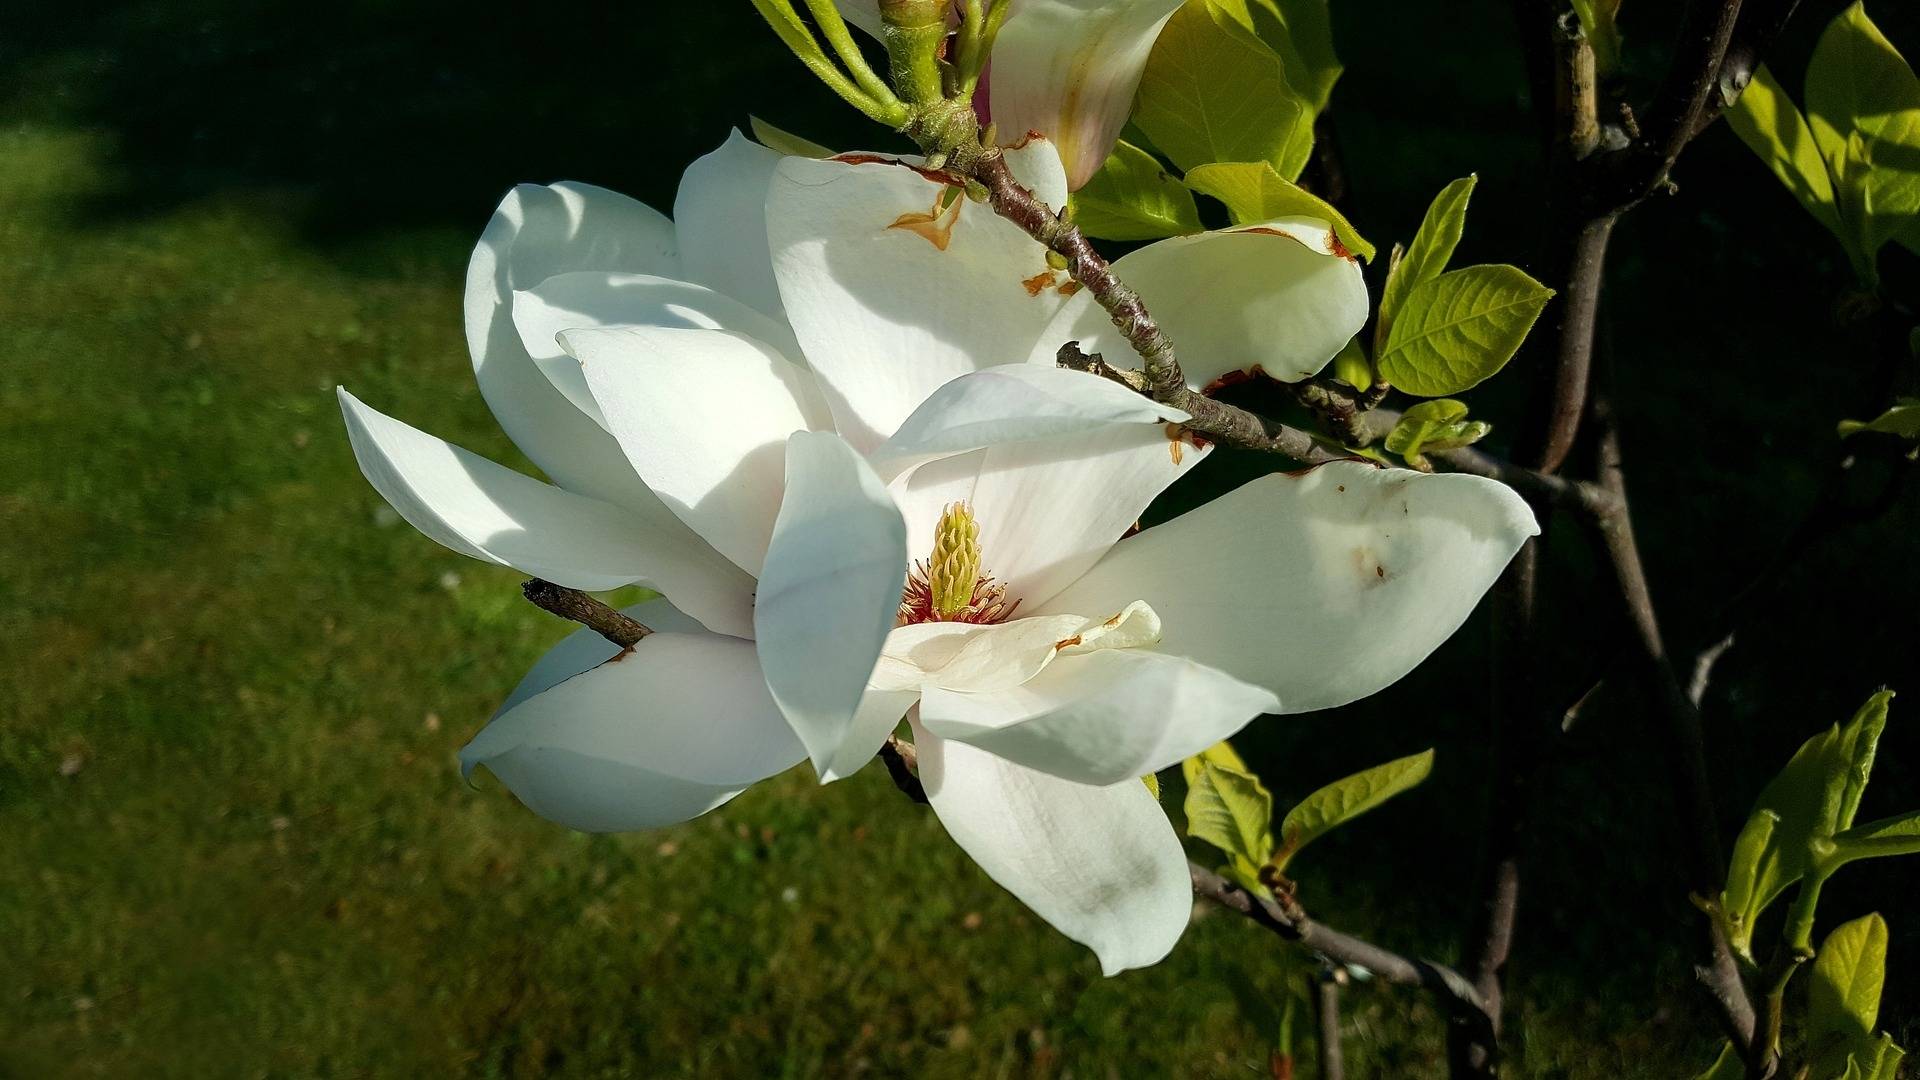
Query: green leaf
x=1254 y=192
x=1459 y=328
x=1227 y=807
x=1863 y=107
x=1897 y=835
x=1133 y=198
x=1597 y=19
x=1432 y=246
x=1884 y=1059
x=1300 y=32
x=1727 y=1066
x=1351 y=366
x=1212 y=91
x=1773 y=128
x=1902 y=420
x=784 y=141
x=1813 y=798
x=1441 y=424
x=1344 y=800
x=1843 y=993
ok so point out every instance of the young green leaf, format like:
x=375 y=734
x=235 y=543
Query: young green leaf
x=1212 y=91
x=1773 y=128
x=1863 y=107
x=1351 y=366
x=1902 y=420
x=785 y=141
x=1727 y=1066
x=1814 y=797
x=1300 y=32
x=1441 y=424
x=1253 y=192
x=1897 y=835
x=1133 y=198
x=1843 y=993
x=1884 y=1059
x=1229 y=808
x=1432 y=246
x=1597 y=19
x=1344 y=800
x=1460 y=328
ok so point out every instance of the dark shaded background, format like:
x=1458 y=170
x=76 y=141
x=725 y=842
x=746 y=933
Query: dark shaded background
x=388 y=119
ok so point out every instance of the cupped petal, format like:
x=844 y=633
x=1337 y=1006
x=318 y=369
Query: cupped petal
x=1282 y=295
x=658 y=734
x=1013 y=403
x=703 y=416
x=489 y=512
x=1110 y=716
x=879 y=713
x=1068 y=69
x=583 y=650
x=590 y=299
x=1100 y=864
x=720 y=218
x=1048 y=509
x=828 y=595
x=895 y=283
x=538 y=232
x=1323 y=586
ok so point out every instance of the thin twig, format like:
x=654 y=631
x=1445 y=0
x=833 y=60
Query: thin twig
x=1706 y=865
x=1326 y=1011
x=1284 y=916
x=585 y=610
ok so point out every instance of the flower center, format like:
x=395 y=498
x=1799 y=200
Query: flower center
x=948 y=585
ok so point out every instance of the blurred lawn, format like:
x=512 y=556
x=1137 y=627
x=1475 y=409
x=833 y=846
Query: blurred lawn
x=236 y=843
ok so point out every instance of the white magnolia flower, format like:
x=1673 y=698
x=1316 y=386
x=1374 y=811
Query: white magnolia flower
x=770 y=457
x=1066 y=69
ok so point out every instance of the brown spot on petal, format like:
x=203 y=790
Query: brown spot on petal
x=1067 y=643
x=1068 y=288
x=935 y=226
x=1336 y=247
x=1175 y=442
x=1038 y=283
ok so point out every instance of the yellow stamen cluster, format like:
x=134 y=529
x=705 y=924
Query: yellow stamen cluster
x=948 y=586
x=955 y=564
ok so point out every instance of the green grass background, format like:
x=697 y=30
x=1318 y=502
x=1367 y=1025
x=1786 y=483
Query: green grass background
x=233 y=840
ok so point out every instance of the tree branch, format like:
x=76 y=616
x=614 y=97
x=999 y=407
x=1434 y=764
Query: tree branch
x=1284 y=916
x=1707 y=868
x=585 y=610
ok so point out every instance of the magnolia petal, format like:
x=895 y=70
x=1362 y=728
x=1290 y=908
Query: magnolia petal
x=891 y=293
x=1323 y=586
x=879 y=713
x=1100 y=864
x=1014 y=403
x=703 y=416
x=1110 y=716
x=583 y=650
x=983 y=658
x=597 y=298
x=1282 y=295
x=1068 y=69
x=659 y=734
x=1048 y=509
x=489 y=512
x=720 y=215
x=538 y=232
x=828 y=595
